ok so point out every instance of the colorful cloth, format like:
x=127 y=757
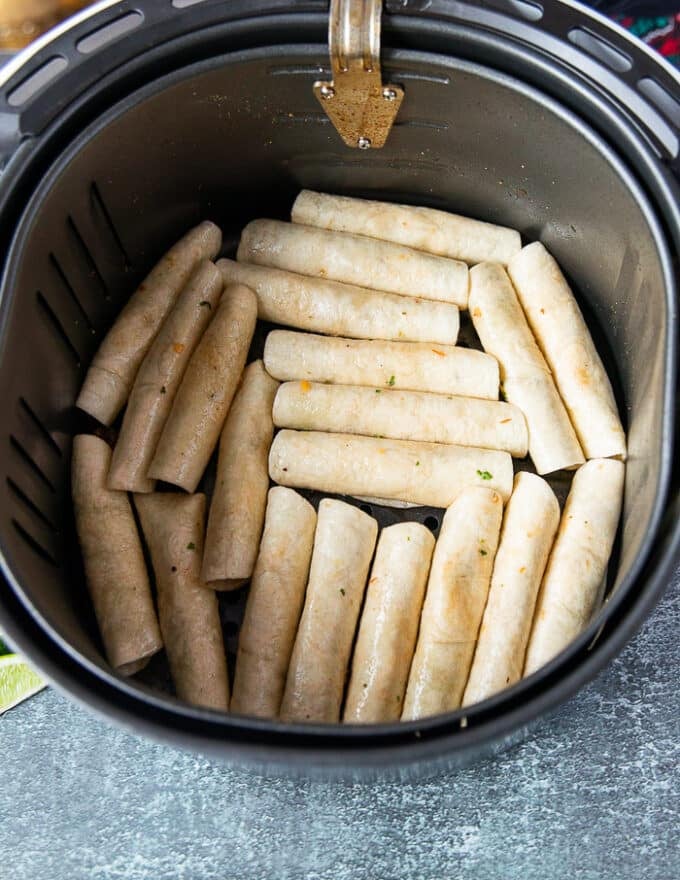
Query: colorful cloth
x=661 y=33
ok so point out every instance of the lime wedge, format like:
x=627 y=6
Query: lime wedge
x=17 y=681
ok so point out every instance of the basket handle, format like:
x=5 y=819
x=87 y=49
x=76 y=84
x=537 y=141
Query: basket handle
x=360 y=107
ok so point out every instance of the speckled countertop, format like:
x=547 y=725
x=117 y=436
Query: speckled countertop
x=594 y=793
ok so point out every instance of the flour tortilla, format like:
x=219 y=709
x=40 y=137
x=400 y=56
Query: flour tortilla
x=343 y=546
x=342 y=309
x=159 y=378
x=240 y=493
x=457 y=591
x=410 y=366
x=429 y=474
x=525 y=376
x=114 y=367
x=402 y=415
x=426 y=229
x=578 y=562
x=173 y=526
x=389 y=624
x=566 y=343
x=207 y=390
x=113 y=560
x=529 y=525
x=354 y=259
x=275 y=600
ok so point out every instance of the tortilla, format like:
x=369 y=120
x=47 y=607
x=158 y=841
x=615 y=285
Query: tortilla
x=240 y=495
x=525 y=376
x=113 y=560
x=389 y=624
x=457 y=591
x=173 y=526
x=566 y=343
x=114 y=366
x=159 y=377
x=402 y=415
x=529 y=525
x=207 y=390
x=342 y=309
x=430 y=474
x=343 y=546
x=426 y=229
x=275 y=600
x=578 y=562
x=409 y=366
x=354 y=259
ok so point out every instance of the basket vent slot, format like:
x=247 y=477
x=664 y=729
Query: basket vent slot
x=30 y=505
x=416 y=76
x=102 y=210
x=526 y=9
x=35 y=545
x=183 y=4
x=56 y=265
x=93 y=269
x=56 y=324
x=32 y=464
x=600 y=49
x=109 y=32
x=316 y=70
x=37 y=81
x=435 y=124
x=302 y=119
x=50 y=442
x=662 y=99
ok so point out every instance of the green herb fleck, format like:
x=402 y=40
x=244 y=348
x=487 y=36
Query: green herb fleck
x=342 y=591
x=390 y=381
x=377 y=391
x=485 y=475
x=417 y=464
x=164 y=390
x=191 y=546
x=204 y=303
x=482 y=552
x=365 y=685
x=398 y=699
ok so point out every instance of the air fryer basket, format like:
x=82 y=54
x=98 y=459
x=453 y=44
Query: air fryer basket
x=211 y=114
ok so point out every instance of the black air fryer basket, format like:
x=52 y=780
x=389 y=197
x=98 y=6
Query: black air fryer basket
x=139 y=119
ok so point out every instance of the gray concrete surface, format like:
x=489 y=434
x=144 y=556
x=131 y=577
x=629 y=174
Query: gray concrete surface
x=594 y=793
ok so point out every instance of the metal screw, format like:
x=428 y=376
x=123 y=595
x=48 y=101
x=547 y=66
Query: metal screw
x=327 y=91
x=364 y=143
x=389 y=94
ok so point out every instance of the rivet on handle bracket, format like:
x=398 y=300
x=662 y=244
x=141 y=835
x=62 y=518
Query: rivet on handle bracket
x=360 y=107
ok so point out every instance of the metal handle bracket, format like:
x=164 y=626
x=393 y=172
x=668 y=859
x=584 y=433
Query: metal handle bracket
x=360 y=107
